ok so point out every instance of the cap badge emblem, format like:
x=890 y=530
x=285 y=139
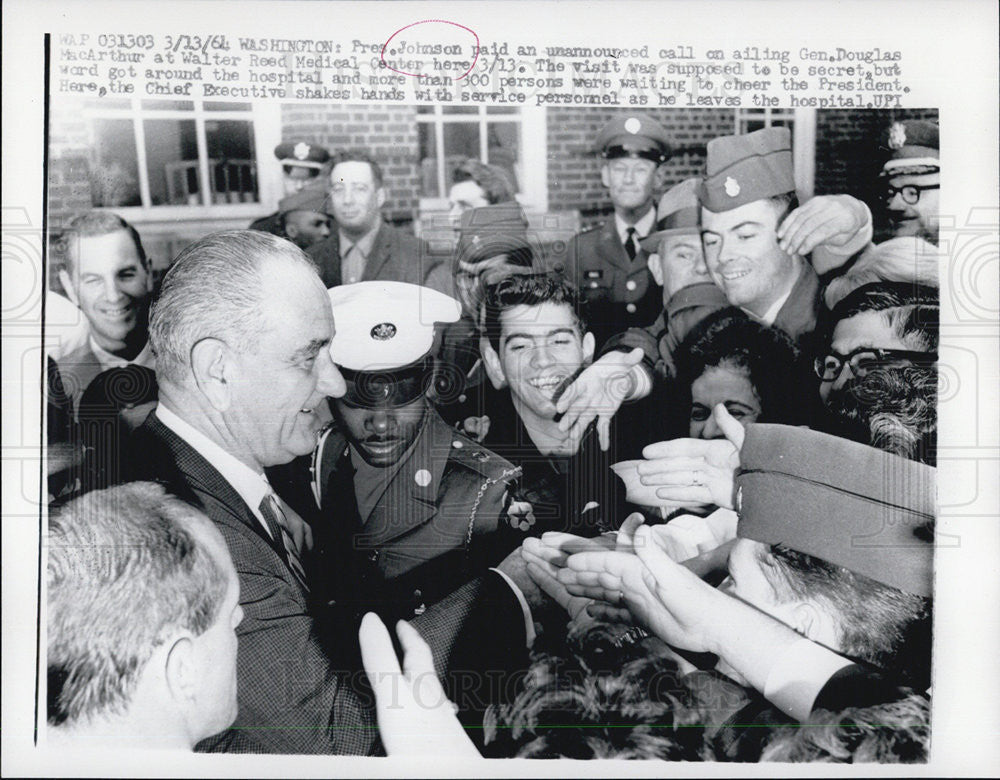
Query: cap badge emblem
x=301 y=150
x=732 y=187
x=897 y=135
x=383 y=331
x=633 y=125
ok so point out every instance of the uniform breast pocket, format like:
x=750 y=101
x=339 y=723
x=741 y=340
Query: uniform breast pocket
x=595 y=287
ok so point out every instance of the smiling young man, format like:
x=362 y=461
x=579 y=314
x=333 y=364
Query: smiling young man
x=754 y=255
x=107 y=275
x=536 y=344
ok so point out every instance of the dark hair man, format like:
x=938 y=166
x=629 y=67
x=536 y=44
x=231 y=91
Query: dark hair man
x=364 y=247
x=107 y=275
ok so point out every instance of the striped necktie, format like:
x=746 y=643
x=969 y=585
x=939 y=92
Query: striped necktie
x=274 y=516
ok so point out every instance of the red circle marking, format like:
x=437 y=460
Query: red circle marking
x=427 y=21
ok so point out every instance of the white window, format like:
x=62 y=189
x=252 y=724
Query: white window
x=511 y=138
x=802 y=123
x=177 y=159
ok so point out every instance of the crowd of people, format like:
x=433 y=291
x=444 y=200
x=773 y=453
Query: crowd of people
x=664 y=491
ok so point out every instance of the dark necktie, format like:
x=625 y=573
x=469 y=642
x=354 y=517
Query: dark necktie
x=274 y=516
x=630 y=248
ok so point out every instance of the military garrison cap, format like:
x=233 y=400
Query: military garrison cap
x=740 y=169
x=677 y=214
x=312 y=197
x=912 y=147
x=489 y=231
x=848 y=504
x=634 y=135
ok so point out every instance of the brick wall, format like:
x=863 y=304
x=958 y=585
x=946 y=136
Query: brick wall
x=574 y=169
x=388 y=133
x=848 y=159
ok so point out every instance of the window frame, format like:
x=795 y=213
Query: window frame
x=803 y=140
x=265 y=120
x=532 y=163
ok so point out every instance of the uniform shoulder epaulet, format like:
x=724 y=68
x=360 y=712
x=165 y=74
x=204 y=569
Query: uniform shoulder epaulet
x=475 y=456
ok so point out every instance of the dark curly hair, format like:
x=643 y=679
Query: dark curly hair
x=767 y=357
x=585 y=697
x=527 y=290
x=893 y=408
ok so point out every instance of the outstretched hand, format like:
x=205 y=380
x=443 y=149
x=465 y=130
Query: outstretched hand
x=597 y=393
x=415 y=718
x=692 y=472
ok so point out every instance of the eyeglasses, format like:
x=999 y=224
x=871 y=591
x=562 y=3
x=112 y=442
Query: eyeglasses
x=865 y=359
x=909 y=192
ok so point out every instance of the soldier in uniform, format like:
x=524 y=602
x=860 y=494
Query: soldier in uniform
x=301 y=164
x=412 y=509
x=607 y=263
x=912 y=179
x=304 y=215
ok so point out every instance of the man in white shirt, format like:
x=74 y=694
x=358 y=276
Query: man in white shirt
x=107 y=275
x=241 y=330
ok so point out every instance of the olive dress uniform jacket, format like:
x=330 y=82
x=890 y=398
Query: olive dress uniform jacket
x=395 y=256
x=439 y=521
x=690 y=305
x=301 y=687
x=616 y=293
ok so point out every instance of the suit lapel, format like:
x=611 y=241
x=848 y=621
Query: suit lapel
x=379 y=255
x=205 y=481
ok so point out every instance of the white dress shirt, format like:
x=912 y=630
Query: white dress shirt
x=250 y=485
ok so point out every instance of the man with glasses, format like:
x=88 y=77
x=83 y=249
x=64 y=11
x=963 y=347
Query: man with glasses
x=912 y=177
x=885 y=324
x=607 y=263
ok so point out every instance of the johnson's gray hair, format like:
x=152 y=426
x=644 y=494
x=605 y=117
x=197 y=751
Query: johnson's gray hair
x=216 y=289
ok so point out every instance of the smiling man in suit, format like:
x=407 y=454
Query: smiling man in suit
x=364 y=247
x=241 y=331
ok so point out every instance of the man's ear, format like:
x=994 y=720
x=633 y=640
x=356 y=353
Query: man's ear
x=213 y=371
x=814 y=623
x=180 y=670
x=291 y=231
x=491 y=362
x=380 y=197
x=655 y=268
x=605 y=175
x=67 y=284
x=589 y=344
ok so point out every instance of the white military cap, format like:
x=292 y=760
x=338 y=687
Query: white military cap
x=382 y=326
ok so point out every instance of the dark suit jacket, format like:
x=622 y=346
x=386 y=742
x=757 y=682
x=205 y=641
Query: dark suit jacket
x=78 y=369
x=301 y=686
x=396 y=256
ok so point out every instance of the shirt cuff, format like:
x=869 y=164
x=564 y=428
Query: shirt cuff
x=529 y=624
x=798 y=675
x=642 y=382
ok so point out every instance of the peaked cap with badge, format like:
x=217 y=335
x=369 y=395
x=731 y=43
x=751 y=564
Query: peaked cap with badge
x=634 y=135
x=419 y=528
x=913 y=148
